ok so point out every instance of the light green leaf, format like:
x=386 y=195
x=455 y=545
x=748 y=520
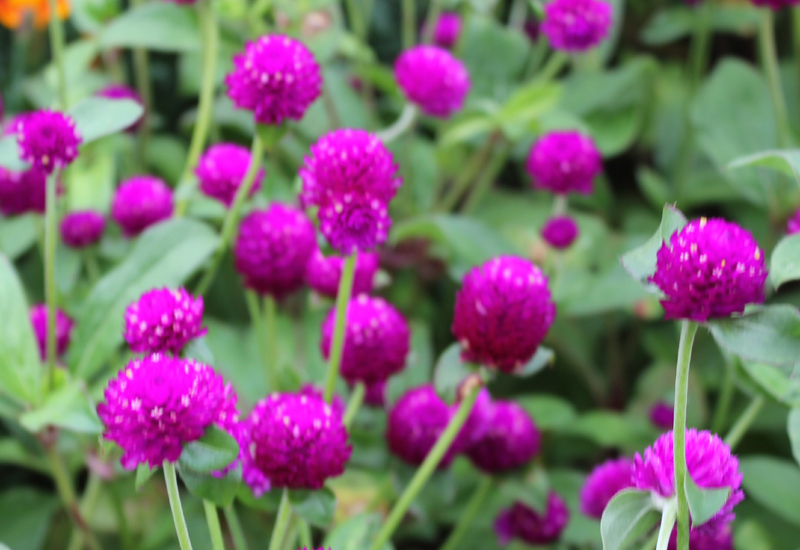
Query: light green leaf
x=704 y=503
x=784 y=266
x=9 y=155
x=69 y=407
x=97 y=117
x=159 y=26
x=775 y=483
x=542 y=358
x=628 y=516
x=641 y=262
x=316 y=507
x=143 y=475
x=18 y=235
x=355 y=533
x=548 y=411
x=793 y=427
x=785 y=162
x=450 y=372
x=214 y=451
x=218 y=490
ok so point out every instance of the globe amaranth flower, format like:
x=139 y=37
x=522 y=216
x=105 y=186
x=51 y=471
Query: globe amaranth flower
x=531 y=526
x=605 y=481
x=433 y=79
x=82 y=228
x=375 y=395
x=576 y=25
x=793 y=224
x=510 y=441
x=337 y=403
x=157 y=404
x=502 y=313
x=775 y=4
x=532 y=28
x=120 y=91
x=22 y=192
x=298 y=441
x=140 y=202
x=48 y=139
x=710 y=268
x=221 y=170
x=163 y=320
x=376 y=340
x=560 y=232
x=447 y=30
x=64 y=324
x=350 y=176
x=276 y=77
x=323 y=273
x=564 y=162
x=709 y=462
x=662 y=415
x=273 y=248
x=698 y=540
x=481 y=416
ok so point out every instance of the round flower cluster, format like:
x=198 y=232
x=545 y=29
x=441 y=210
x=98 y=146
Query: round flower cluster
x=120 y=91
x=64 y=324
x=698 y=540
x=273 y=248
x=662 y=415
x=509 y=441
x=564 y=162
x=448 y=29
x=560 y=232
x=276 y=77
x=221 y=170
x=776 y=4
x=163 y=320
x=47 y=139
x=22 y=192
x=375 y=395
x=793 y=225
x=351 y=176
x=433 y=79
x=502 y=313
x=576 y=25
x=710 y=268
x=323 y=273
x=82 y=228
x=522 y=522
x=605 y=481
x=140 y=202
x=376 y=340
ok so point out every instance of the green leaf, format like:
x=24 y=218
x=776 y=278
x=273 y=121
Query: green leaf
x=776 y=384
x=355 y=533
x=143 y=475
x=156 y=26
x=492 y=75
x=542 y=358
x=784 y=266
x=775 y=483
x=768 y=335
x=793 y=427
x=785 y=162
x=612 y=429
x=628 y=516
x=672 y=24
x=641 y=262
x=219 y=490
x=316 y=507
x=270 y=134
x=198 y=350
x=20 y=365
x=704 y=503
x=97 y=117
x=268 y=502
x=466 y=127
x=12 y=451
x=212 y=452
x=18 y=235
x=164 y=255
x=25 y=517
x=449 y=372
x=68 y=407
x=548 y=411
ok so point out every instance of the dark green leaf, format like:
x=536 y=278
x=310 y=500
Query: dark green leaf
x=449 y=372
x=548 y=411
x=25 y=517
x=156 y=26
x=98 y=117
x=218 y=490
x=675 y=23
x=793 y=427
x=268 y=502
x=143 y=475
x=784 y=266
x=775 y=483
x=14 y=452
x=641 y=262
x=542 y=358
x=704 y=503
x=628 y=516
x=316 y=507
x=68 y=407
x=212 y=452
x=355 y=533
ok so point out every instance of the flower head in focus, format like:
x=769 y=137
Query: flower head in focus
x=48 y=140
x=163 y=320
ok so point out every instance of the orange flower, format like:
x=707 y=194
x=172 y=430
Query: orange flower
x=14 y=12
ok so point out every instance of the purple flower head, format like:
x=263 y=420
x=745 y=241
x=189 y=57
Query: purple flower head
x=375 y=395
x=228 y=420
x=564 y=162
x=662 y=415
x=323 y=273
x=273 y=248
x=776 y=4
x=360 y=226
x=560 y=232
x=710 y=464
x=47 y=139
x=22 y=192
x=433 y=79
x=502 y=313
x=276 y=77
x=140 y=202
x=793 y=225
x=163 y=320
x=120 y=91
x=533 y=29
x=157 y=404
x=710 y=268
x=82 y=228
x=605 y=481
x=480 y=418
x=510 y=442
x=448 y=29
x=576 y=25
x=376 y=341
x=298 y=441
x=699 y=540
x=337 y=403
x=221 y=170
x=64 y=326
x=522 y=522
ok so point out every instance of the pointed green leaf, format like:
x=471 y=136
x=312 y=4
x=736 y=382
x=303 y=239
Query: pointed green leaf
x=628 y=516
x=774 y=483
x=219 y=490
x=212 y=452
x=542 y=358
x=785 y=162
x=784 y=266
x=143 y=474
x=704 y=503
x=641 y=262
x=96 y=117
x=449 y=372
x=316 y=507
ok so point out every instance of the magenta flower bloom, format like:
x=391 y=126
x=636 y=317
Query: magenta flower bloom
x=140 y=202
x=710 y=464
x=433 y=79
x=528 y=525
x=710 y=268
x=358 y=226
x=47 y=139
x=698 y=540
x=64 y=326
x=276 y=77
x=82 y=228
x=324 y=273
x=502 y=313
x=775 y=4
x=337 y=403
x=298 y=441
x=375 y=395
x=564 y=162
x=273 y=248
x=532 y=29
x=510 y=441
x=793 y=225
x=662 y=415
x=376 y=341
x=163 y=320
x=221 y=171
x=560 y=232
x=120 y=91
x=576 y=25
x=605 y=481
x=448 y=29
x=157 y=404
x=22 y=192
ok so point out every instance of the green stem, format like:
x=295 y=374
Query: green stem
x=141 y=67
x=724 y=400
x=560 y=203
x=92 y=269
x=355 y=14
x=467 y=175
x=769 y=60
x=553 y=66
x=425 y=470
x=270 y=343
x=667 y=523
x=50 y=239
x=305 y=534
x=235 y=527
x=688 y=331
x=214 y=528
x=743 y=423
x=518 y=14
x=431 y=19
x=650 y=543
x=281 y=522
x=175 y=505
x=484 y=183
x=403 y=123
x=232 y=217
x=337 y=346
x=356 y=399
x=465 y=522
x=796 y=36
x=87 y=506
x=209 y=39
x=409 y=23
x=57 y=46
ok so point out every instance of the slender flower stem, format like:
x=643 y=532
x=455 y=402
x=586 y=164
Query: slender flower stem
x=92 y=269
x=409 y=34
x=468 y=174
x=305 y=534
x=50 y=239
x=235 y=527
x=281 y=522
x=426 y=470
x=475 y=505
x=429 y=29
x=337 y=346
x=87 y=506
x=57 y=46
x=724 y=400
x=212 y=518
x=356 y=399
x=667 y=523
x=141 y=67
x=484 y=183
x=560 y=203
x=175 y=505
x=232 y=217
x=403 y=123
x=553 y=66
x=357 y=23
x=743 y=423
x=769 y=61
x=271 y=343
x=688 y=331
